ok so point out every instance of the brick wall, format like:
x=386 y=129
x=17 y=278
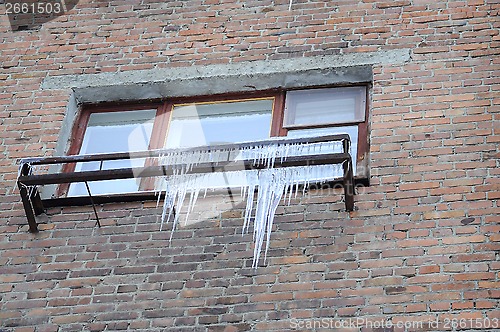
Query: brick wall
x=405 y=255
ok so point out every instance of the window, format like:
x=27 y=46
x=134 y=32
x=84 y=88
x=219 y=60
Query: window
x=213 y=123
x=316 y=112
x=191 y=122
x=112 y=129
x=114 y=132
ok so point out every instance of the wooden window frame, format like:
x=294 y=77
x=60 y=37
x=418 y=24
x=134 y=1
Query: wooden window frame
x=363 y=130
x=164 y=113
x=81 y=124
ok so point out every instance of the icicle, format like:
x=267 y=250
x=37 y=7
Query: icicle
x=248 y=209
x=190 y=205
x=168 y=204
x=285 y=191
x=273 y=183
x=270 y=218
x=158 y=193
x=181 y=195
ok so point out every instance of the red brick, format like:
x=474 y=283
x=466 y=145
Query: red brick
x=433 y=162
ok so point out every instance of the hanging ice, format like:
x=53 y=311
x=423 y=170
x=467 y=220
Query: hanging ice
x=272 y=183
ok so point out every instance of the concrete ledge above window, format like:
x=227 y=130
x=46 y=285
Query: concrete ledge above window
x=350 y=68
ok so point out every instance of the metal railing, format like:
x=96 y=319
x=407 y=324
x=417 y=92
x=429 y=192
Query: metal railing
x=28 y=182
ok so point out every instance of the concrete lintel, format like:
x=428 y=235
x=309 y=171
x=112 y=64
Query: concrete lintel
x=225 y=78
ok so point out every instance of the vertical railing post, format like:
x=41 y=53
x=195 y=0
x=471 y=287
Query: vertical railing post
x=26 y=199
x=348 y=178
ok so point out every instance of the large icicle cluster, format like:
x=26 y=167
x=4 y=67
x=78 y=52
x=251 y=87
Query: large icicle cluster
x=272 y=184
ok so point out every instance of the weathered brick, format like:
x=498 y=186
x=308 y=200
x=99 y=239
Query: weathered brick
x=403 y=252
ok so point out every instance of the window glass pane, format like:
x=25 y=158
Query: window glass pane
x=218 y=123
x=325 y=106
x=352 y=131
x=114 y=132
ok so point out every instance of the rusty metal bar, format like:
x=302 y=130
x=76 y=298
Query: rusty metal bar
x=28 y=208
x=161 y=152
x=152 y=171
x=348 y=180
x=348 y=184
x=93 y=204
x=26 y=198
